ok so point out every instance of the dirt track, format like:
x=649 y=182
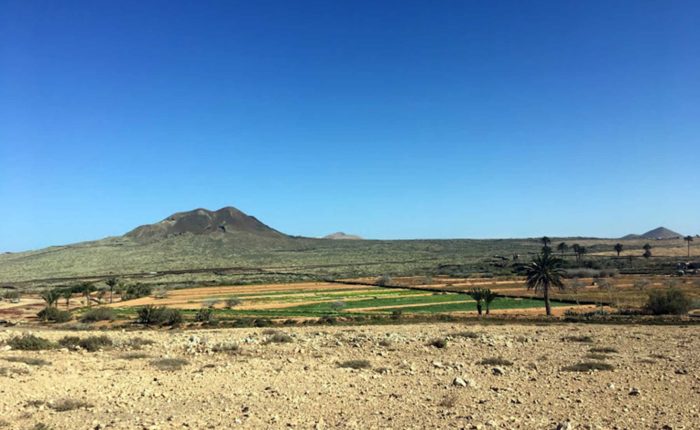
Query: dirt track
x=654 y=381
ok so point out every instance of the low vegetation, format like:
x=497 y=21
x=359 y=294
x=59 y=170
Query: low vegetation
x=170 y=364
x=495 y=361
x=65 y=405
x=159 y=315
x=29 y=342
x=55 y=315
x=30 y=361
x=90 y=344
x=580 y=339
x=279 y=337
x=355 y=364
x=670 y=302
x=588 y=366
x=98 y=314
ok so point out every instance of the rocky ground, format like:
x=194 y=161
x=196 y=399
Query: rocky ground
x=252 y=378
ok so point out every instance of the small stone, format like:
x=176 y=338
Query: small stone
x=634 y=392
x=459 y=382
x=566 y=425
x=497 y=371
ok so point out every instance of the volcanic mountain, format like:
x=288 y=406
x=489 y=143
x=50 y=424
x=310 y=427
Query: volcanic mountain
x=657 y=233
x=342 y=236
x=203 y=222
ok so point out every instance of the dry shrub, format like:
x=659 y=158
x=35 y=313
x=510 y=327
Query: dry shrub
x=169 y=364
x=355 y=364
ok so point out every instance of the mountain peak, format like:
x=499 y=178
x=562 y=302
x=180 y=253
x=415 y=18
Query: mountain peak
x=657 y=233
x=342 y=236
x=203 y=221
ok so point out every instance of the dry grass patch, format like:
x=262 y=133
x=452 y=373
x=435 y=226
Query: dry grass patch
x=600 y=357
x=355 y=364
x=90 y=344
x=134 y=356
x=170 y=364
x=279 y=337
x=580 y=339
x=449 y=401
x=588 y=366
x=65 y=405
x=495 y=361
x=29 y=342
x=30 y=361
x=138 y=342
x=465 y=335
x=11 y=371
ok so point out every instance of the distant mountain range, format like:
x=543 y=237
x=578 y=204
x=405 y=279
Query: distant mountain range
x=228 y=238
x=657 y=233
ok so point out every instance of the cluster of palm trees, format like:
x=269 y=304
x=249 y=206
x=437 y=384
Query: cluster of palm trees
x=86 y=289
x=482 y=296
x=579 y=250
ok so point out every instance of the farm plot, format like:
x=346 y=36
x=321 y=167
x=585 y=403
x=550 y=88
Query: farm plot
x=319 y=299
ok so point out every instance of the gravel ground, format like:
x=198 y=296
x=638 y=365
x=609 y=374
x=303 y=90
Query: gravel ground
x=236 y=378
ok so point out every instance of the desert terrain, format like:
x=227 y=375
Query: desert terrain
x=403 y=376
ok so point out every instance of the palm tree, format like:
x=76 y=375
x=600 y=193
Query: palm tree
x=562 y=247
x=688 y=239
x=545 y=242
x=618 y=248
x=544 y=273
x=67 y=294
x=489 y=296
x=477 y=294
x=577 y=248
x=111 y=283
x=51 y=297
x=87 y=289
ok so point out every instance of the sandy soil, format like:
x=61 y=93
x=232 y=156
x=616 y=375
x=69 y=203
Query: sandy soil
x=654 y=383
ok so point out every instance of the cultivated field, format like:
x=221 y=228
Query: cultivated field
x=321 y=299
x=480 y=377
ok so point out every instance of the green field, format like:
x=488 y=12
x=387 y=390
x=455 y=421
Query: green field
x=298 y=302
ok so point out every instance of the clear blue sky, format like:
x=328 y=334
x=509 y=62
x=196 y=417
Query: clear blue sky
x=388 y=119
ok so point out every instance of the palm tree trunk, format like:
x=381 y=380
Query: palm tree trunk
x=547 y=305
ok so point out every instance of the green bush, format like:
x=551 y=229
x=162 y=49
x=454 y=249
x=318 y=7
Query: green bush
x=205 y=315
x=159 y=315
x=136 y=291
x=98 y=314
x=29 y=342
x=670 y=302
x=55 y=315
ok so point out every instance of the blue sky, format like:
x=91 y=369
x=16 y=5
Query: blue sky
x=394 y=119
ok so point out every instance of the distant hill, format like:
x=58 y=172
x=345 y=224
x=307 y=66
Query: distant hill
x=203 y=221
x=657 y=233
x=342 y=236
